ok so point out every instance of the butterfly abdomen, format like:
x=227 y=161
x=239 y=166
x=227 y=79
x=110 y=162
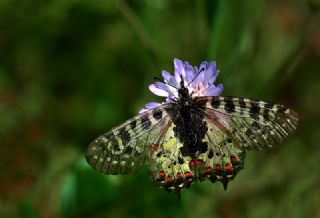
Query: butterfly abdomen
x=189 y=128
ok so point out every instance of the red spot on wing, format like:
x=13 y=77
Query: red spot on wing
x=199 y=162
x=169 y=179
x=218 y=167
x=188 y=174
x=208 y=170
x=162 y=174
x=192 y=164
x=228 y=167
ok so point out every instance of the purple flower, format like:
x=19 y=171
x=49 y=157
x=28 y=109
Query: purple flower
x=200 y=82
x=149 y=106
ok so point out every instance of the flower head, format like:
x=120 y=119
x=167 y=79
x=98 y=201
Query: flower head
x=199 y=82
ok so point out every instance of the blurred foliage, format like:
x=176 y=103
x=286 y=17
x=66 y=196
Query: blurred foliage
x=70 y=70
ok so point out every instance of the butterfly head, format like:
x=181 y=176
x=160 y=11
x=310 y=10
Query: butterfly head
x=183 y=92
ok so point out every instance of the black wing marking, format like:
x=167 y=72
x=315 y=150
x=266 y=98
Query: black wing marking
x=252 y=124
x=122 y=150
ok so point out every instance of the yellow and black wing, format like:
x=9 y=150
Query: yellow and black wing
x=251 y=124
x=123 y=149
x=233 y=125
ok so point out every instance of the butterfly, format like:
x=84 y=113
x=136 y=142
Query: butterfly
x=195 y=135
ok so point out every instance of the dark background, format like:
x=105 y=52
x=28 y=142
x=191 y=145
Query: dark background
x=70 y=70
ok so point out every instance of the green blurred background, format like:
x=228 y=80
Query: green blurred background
x=70 y=70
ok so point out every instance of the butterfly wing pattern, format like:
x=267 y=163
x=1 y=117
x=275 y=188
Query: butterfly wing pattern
x=252 y=124
x=234 y=125
x=123 y=149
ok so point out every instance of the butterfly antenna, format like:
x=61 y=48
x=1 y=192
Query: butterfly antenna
x=195 y=77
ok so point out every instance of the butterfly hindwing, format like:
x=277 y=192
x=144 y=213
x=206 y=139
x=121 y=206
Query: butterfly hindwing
x=122 y=150
x=167 y=167
x=223 y=159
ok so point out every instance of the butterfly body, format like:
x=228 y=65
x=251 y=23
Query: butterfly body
x=186 y=113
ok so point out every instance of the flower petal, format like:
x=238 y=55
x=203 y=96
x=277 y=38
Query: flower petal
x=165 y=87
x=213 y=90
x=166 y=75
x=178 y=69
x=203 y=66
x=190 y=73
x=157 y=91
x=152 y=105
x=149 y=106
x=211 y=72
x=169 y=79
x=208 y=73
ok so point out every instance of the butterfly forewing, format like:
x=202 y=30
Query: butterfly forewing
x=122 y=150
x=251 y=124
